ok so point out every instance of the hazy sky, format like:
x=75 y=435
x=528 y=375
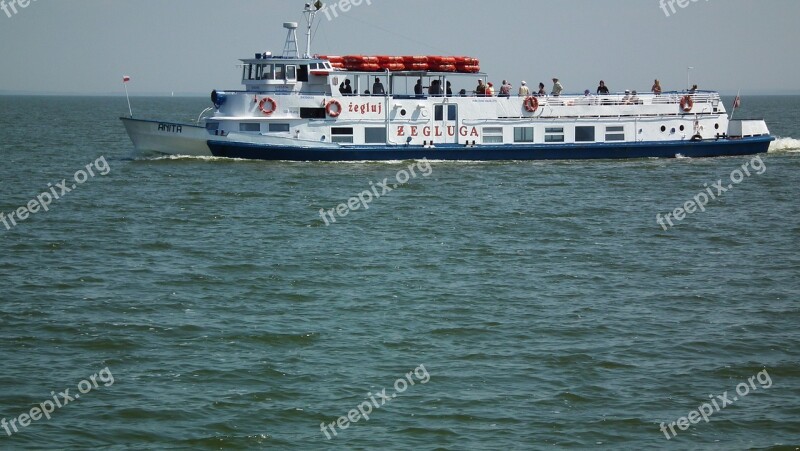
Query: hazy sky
x=193 y=46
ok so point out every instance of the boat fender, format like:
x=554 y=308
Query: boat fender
x=697 y=137
x=272 y=103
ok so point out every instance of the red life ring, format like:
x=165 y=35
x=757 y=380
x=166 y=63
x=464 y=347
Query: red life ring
x=272 y=103
x=687 y=103
x=531 y=104
x=329 y=108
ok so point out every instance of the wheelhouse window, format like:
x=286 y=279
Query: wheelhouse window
x=616 y=133
x=280 y=72
x=291 y=73
x=492 y=135
x=342 y=134
x=265 y=72
x=584 y=134
x=554 y=135
x=523 y=134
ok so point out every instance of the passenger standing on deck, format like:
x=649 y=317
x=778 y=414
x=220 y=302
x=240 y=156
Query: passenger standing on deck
x=449 y=90
x=602 y=89
x=490 y=90
x=557 y=88
x=523 y=90
x=377 y=88
x=346 y=90
x=541 y=92
x=656 y=87
x=480 y=91
x=418 y=88
x=505 y=89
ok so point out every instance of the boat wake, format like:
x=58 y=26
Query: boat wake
x=781 y=145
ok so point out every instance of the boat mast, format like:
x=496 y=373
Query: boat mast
x=311 y=13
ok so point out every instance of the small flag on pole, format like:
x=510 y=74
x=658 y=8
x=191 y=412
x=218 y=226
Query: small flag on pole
x=737 y=102
x=126 y=79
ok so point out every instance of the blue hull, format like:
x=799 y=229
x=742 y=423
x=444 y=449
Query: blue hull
x=604 y=151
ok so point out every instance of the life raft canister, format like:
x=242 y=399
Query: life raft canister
x=687 y=103
x=273 y=106
x=329 y=108
x=531 y=104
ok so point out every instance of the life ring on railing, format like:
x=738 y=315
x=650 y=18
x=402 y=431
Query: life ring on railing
x=531 y=104
x=687 y=103
x=273 y=105
x=329 y=108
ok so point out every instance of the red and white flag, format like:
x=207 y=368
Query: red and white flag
x=737 y=102
x=126 y=79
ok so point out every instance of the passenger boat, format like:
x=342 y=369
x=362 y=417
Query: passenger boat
x=294 y=107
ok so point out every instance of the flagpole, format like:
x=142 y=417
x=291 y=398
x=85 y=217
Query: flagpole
x=734 y=104
x=125 y=83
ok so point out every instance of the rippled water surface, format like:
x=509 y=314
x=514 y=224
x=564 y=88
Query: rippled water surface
x=541 y=303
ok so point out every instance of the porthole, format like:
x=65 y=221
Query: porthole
x=663 y=128
x=683 y=128
x=402 y=112
x=716 y=126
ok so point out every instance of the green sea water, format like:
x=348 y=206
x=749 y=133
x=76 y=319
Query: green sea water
x=540 y=302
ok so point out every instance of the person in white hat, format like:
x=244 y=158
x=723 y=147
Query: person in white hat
x=523 y=90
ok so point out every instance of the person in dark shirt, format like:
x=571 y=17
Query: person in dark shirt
x=449 y=91
x=541 y=92
x=345 y=89
x=435 y=88
x=602 y=89
x=418 y=88
x=377 y=88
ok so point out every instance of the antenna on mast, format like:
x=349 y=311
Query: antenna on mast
x=310 y=12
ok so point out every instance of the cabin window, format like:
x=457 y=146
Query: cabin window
x=492 y=135
x=584 y=134
x=523 y=134
x=375 y=135
x=249 y=127
x=280 y=72
x=438 y=113
x=342 y=134
x=617 y=133
x=212 y=126
x=291 y=73
x=277 y=128
x=313 y=113
x=554 y=135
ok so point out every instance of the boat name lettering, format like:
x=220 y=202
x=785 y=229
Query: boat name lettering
x=170 y=128
x=437 y=131
x=365 y=108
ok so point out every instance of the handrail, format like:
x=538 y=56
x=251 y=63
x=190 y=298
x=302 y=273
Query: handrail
x=202 y=113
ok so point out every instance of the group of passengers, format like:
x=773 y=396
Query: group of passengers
x=486 y=89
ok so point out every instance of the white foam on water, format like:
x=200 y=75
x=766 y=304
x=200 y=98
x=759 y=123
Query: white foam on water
x=785 y=145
